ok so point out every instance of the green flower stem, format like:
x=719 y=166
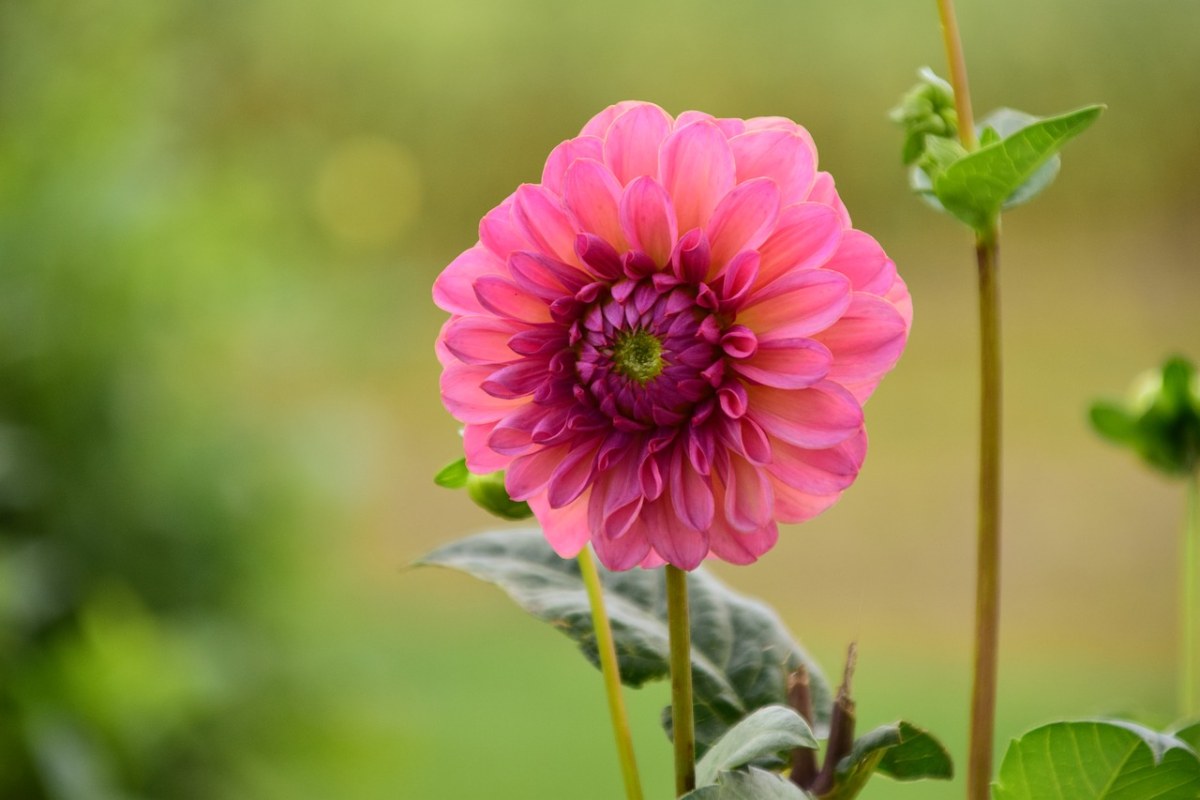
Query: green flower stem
x=958 y=74
x=987 y=574
x=1189 y=676
x=612 y=675
x=682 y=715
x=987 y=585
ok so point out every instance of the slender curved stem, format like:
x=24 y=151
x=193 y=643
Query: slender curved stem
x=1189 y=674
x=683 y=722
x=958 y=74
x=612 y=675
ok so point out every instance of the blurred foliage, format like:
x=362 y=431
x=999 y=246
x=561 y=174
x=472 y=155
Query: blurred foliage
x=219 y=222
x=1161 y=422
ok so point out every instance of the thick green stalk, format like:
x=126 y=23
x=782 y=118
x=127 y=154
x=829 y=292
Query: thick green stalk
x=1190 y=672
x=987 y=586
x=612 y=675
x=682 y=714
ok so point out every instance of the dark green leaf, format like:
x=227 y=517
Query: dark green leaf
x=741 y=653
x=489 y=493
x=766 y=733
x=756 y=784
x=453 y=475
x=976 y=187
x=900 y=750
x=1098 y=760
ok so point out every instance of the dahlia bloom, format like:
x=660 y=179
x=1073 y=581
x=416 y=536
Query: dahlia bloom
x=668 y=341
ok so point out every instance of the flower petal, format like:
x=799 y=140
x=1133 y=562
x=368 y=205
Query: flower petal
x=749 y=499
x=528 y=475
x=502 y=296
x=465 y=399
x=742 y=220
x=806 y=236
x=454 y=289
x=647 y=219
x=860 y=258
x=565 y=528
x=573 y=475
x=691 y=495
x=866 y=342
x=481 y=340
x=782 y=155
x=678 y=544
x=482 y=459
x=697 y=170
x=632 y=142
x=817 y=417
x=823 y=192
x=787 y=363
x=567 y=153
x=545 y=222
x=592 y=194
x=598 y=125
x=799 y=305
x=818 y=472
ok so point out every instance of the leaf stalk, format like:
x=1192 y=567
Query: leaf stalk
x=1189 y=674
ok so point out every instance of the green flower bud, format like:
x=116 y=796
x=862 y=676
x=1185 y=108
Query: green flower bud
x=487 y=491
x=927 y=110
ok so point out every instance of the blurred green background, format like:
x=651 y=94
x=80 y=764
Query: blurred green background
x=219 y=223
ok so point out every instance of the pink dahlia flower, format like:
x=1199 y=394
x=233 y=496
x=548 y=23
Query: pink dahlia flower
x=668 y=341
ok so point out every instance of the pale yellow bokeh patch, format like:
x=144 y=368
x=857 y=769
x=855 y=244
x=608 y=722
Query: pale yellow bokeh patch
x=368 y=191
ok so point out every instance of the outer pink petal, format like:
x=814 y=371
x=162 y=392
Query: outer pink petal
x=787 y=363
x=796 y=505
x=598 y=125
x=499 y=231
x=866 y=342
x=781 y=155
x=571 y=477
x=899 y=297
x=820 y=416
x=742 y=220
x=632 y=142
x=625 y=552
x=465 y=399
x=565 y=528
x=799 y=305
x=545 y=222
x=806 y=237
x=860 y=258
x=503 y=297
x=648 y=219
x=738 y=547
x=697 y=170
x=562 y=157
x=677 y=544
x=818 y=472
x=748 y=497
x=481 y=340
x=528 y=475
x=481 y=458
x=454 y=289
x=823 y=192
x=781 y=124
x=592 y=194
x=691 y=494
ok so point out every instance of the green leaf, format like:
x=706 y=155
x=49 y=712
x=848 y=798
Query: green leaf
x=1098 y=760
x=489 y=493
x=454 y=475
x=900 y=750
x=1190 y=733
x=1113 y=422
x=756 y=784
x=766 y=733
x=741 y=653
x=976 y=187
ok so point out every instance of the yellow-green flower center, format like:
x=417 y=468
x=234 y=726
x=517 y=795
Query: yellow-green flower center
x=637 y=355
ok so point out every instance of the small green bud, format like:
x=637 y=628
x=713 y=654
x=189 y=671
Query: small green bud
x=927 y=110
x=1161 y=420
x=487 y=491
